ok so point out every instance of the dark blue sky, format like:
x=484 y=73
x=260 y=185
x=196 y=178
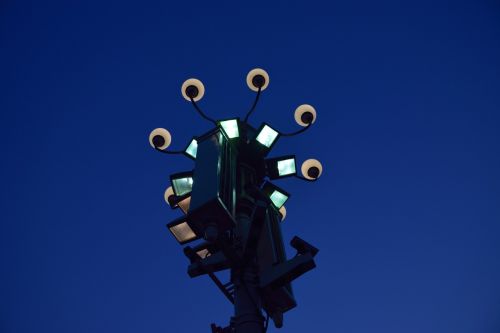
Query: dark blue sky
x=407 y=213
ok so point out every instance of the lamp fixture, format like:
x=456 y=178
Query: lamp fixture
x=279 y=167
x=267 y=136
x=277 y=195
x=182 y=231
x=192 y=149
x=182 y=182
x=236 y=210
x=230 y=127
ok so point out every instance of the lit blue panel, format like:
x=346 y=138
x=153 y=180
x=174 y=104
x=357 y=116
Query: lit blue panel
x=267 y=136
x=278 y=198
x=192 y=149
x=182 y=185
x=286 y=167
x=230 y=127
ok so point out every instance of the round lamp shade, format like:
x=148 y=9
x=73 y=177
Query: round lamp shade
x=256 y=78
x=283 y=213
x=168 y=193
x=311 y=169
x=192 y=88
x=305 y=115
x=160 y=138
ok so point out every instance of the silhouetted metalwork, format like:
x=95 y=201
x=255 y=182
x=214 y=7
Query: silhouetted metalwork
x=232 y=213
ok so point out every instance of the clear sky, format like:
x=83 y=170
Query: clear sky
x=406 y=214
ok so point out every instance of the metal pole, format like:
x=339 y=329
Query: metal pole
x=247 y=314
x=247 y=304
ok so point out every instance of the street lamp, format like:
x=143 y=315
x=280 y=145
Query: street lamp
x=229 y=202
x=182 y=182
x=182 y=231
x=282 y=212
x=192 y=149
x=305 y=115
x=311 y=169
x=279 y=167
x=160 y=138
x=231 y=128
x=267 y=136
x=175 y=201
x=277 y=195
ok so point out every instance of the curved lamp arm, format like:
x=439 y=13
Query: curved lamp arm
x=170 y=152
x=201 y=113
x=256 y=100
x=306 y=179
x=303 y=129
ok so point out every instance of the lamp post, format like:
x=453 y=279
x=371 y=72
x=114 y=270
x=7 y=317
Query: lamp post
x=232 y=211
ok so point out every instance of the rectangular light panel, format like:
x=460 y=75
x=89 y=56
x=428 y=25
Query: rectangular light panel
x=192 y=149
x=267 y=136
x=182 y=185
x=278 y=198
x=286 y=167
x=182 y=232
x=231 y=128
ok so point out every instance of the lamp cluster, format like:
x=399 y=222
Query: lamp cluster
x=230 y=201
x=193 y=90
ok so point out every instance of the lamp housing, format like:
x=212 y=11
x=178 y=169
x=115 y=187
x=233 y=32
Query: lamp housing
x=212 y=204
x=280 y=167
x=192 y=149
x=182 y=182
x=277 y=195
x=182 y=231
x=267 y=137
x=231 y=127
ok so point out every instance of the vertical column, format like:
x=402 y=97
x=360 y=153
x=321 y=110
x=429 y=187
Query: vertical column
x=247 y=314
x=247 y=303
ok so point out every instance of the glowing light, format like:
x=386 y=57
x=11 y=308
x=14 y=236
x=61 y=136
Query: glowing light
x=267 y=136
x=192 y=149
x=286 y=167
x=230 y=127
x=182 y=232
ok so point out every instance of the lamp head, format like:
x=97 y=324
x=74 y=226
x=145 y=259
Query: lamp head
x=311 y=169
x=193 y=89
x=160 y=138
x=277 y=195
x=169 y=196
x=266 y=137
x=305 y=115
x=192 y=149
x=257 y=78
x=182 y=231
x=182 y=182
x=282 y=212
x=231 y=127
x=280 y=167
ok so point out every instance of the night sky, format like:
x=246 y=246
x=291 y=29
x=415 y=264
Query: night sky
x=406 y=214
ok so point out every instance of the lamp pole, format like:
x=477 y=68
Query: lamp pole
x=233 y=213
x=247 y=304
